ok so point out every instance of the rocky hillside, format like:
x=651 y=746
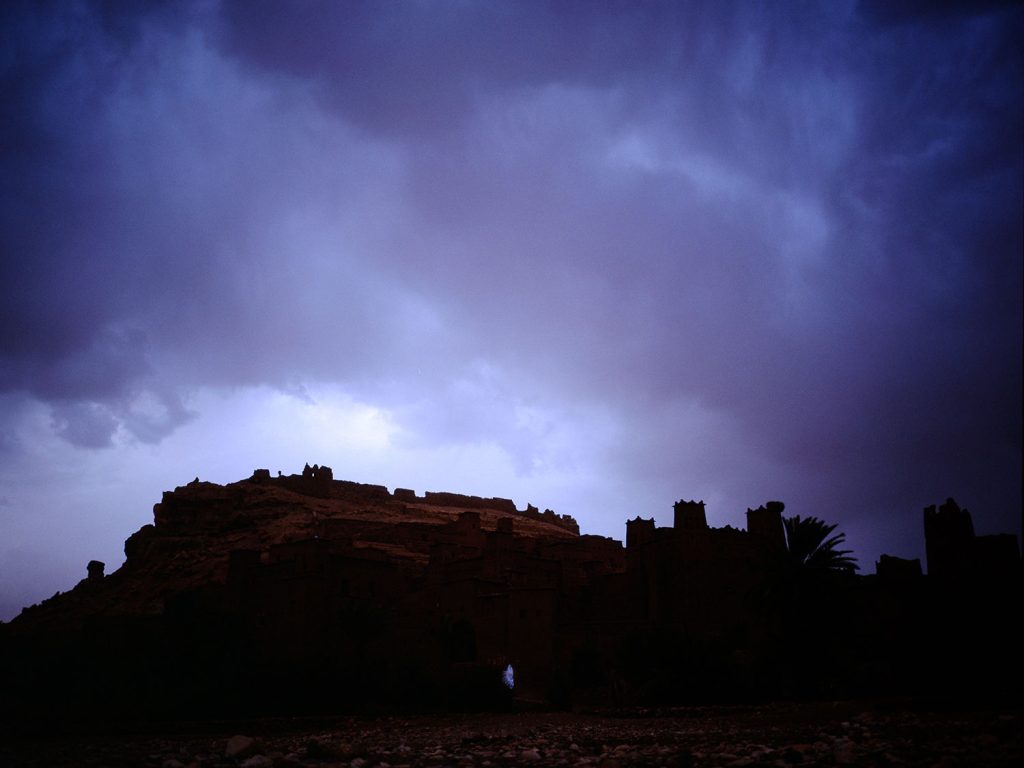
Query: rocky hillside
x=198 y=525
x=303 y=594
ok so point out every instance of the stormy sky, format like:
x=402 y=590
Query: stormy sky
x=590 y=256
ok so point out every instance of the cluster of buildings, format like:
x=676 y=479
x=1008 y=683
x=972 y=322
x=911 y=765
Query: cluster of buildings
x=308 y=591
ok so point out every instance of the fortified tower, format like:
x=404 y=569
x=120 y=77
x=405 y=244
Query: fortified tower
x=765 y=523
x=948 y=540
x=689 y=516
x=639 y=532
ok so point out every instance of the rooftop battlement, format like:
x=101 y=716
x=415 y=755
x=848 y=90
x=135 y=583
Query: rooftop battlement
x=277 y=571
x=199 y=499
x=690 y=524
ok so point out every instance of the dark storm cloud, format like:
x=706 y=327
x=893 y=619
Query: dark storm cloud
x=794 y=229
x=882 y=364
x=420 y=67
x=133 y=224
x=922 y=11
x=63 y=338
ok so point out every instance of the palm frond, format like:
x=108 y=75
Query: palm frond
x=811 y=545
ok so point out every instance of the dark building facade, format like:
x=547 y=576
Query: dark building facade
x=309 y=593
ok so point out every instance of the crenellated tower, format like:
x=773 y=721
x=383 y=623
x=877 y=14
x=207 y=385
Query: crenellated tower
x=689 y=516
x=948 y=540
x=765 y=523
x=639 y=532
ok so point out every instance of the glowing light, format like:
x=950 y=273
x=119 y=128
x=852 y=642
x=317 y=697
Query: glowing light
x=508 y=677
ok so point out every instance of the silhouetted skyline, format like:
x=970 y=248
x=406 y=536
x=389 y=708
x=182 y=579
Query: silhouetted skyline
x=593 y=257
x=302 y=592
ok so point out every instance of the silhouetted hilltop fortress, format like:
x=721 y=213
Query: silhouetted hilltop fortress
x=306 y=592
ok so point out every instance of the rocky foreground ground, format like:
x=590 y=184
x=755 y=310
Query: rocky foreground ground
x=820 y=734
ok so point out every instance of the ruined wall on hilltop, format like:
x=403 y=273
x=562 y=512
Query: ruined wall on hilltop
x=279 y=586
x=195 y=506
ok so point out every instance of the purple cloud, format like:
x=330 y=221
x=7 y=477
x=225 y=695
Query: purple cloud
x=739 y=251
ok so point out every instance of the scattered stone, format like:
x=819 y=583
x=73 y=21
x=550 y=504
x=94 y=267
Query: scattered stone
x=750 y=739
x=324 y=748
x=239 y=746
x=844 y=753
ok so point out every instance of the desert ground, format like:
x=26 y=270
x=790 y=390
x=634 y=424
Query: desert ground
x=859 y=733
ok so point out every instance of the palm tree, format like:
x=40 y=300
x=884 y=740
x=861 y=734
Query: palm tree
x=810 y=548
